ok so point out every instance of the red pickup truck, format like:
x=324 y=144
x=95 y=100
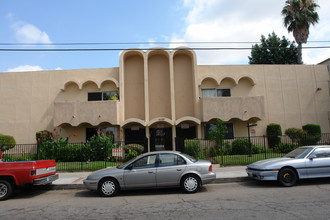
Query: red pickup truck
x=18 y=173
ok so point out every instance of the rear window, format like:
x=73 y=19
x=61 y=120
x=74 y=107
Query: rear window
x=189 y=157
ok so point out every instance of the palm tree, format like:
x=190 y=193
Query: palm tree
x=298 y=16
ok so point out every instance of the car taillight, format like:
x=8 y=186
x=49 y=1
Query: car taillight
x=33 y=172
x=210 y=168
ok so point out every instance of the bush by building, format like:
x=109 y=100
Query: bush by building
x=6 y=142
x=274 y=133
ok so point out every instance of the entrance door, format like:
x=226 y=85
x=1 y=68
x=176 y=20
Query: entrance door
x=182 y=134
x=186 y=133
x=136 y=137
x=161 y=139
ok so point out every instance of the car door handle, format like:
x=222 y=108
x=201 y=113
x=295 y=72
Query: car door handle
x=178 y=169
x=150 y=172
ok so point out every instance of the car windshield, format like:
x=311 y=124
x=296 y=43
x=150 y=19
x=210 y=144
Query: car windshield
x=124 y=164
x=299 y=153
x=189 y=157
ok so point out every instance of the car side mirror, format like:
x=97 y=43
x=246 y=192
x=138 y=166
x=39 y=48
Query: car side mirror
x=312 y=157
x=129 y=167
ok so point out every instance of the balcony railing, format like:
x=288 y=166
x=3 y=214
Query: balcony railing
x=94 y=113
x=227 y=108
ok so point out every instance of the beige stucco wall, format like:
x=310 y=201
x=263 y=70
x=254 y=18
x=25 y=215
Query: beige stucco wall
x=184 y=86
x=133 y=81
x=162 y=88
x=290 y=91
x=27 y=98
x=159 y=87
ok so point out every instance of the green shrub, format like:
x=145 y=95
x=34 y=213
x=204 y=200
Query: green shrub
x=46 y=151
x=214 y=151
x=6 y=142
x=309 y=135
x=257 y=149
x=313 y=134
x=295 y=134
x=312 y=129
x=241 y=146
x=23 y=157
x=274 y=133
x=285 y=148
x=192 y=148
x=225 y=150
x=132 y=151
x=100 y=147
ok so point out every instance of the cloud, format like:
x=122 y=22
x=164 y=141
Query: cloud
x=27 y=33
x=25 y=68
x=236 y=21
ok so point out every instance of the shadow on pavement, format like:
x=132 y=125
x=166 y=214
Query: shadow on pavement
x=275 y=184
x=28 y=192
x=138 y=192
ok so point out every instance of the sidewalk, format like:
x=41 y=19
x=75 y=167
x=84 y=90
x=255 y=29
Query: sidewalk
x=224 y=175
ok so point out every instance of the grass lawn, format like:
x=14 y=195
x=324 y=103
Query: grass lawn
x=243 y=159
x=84 y=166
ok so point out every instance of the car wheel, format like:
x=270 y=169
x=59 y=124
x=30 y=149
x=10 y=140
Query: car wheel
x=5 y=190
x=190 y=184
x=108 y=187
x=287 y=177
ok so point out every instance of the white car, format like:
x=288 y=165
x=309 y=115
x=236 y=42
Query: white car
x=301 y=163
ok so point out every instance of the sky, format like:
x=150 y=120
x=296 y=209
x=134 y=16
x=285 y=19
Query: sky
x=147 y=24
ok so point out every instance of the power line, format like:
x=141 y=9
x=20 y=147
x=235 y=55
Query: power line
x=120 y=49
x=139 y=43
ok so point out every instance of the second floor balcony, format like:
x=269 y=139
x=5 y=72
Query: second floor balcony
x=226 y=108
x=94 y=113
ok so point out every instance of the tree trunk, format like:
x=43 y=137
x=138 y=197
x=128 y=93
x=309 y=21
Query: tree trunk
x=299 y=53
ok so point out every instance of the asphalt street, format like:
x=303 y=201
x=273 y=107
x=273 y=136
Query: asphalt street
x=243 y=200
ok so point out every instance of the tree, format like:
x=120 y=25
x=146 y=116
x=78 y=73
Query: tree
x=298 y=16
x=274 y=51
x=219 y=133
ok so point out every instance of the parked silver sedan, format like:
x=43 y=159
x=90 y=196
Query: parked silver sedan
x=301 y=163
x=153 y=170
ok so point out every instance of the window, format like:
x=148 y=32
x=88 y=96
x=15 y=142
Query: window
x=145 y=162
x=103 y=96
x=211 y=127
x=321 y=153
x=108 y=131
x=216 y=93
x=166 y=160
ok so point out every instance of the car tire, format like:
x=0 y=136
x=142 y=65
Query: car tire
x=108 y=187
x=190 y=183
x=287 y=177
x=5 y=190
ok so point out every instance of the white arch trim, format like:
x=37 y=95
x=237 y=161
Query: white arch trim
x=161 y=119
x=89 y=80
x=98 y=84
x=208 y=76
x=251 y=78
x=228 y=77
x=131 y=51
x=133 y=120
x=188 y=118
x=110 y=79
x=69 y=82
